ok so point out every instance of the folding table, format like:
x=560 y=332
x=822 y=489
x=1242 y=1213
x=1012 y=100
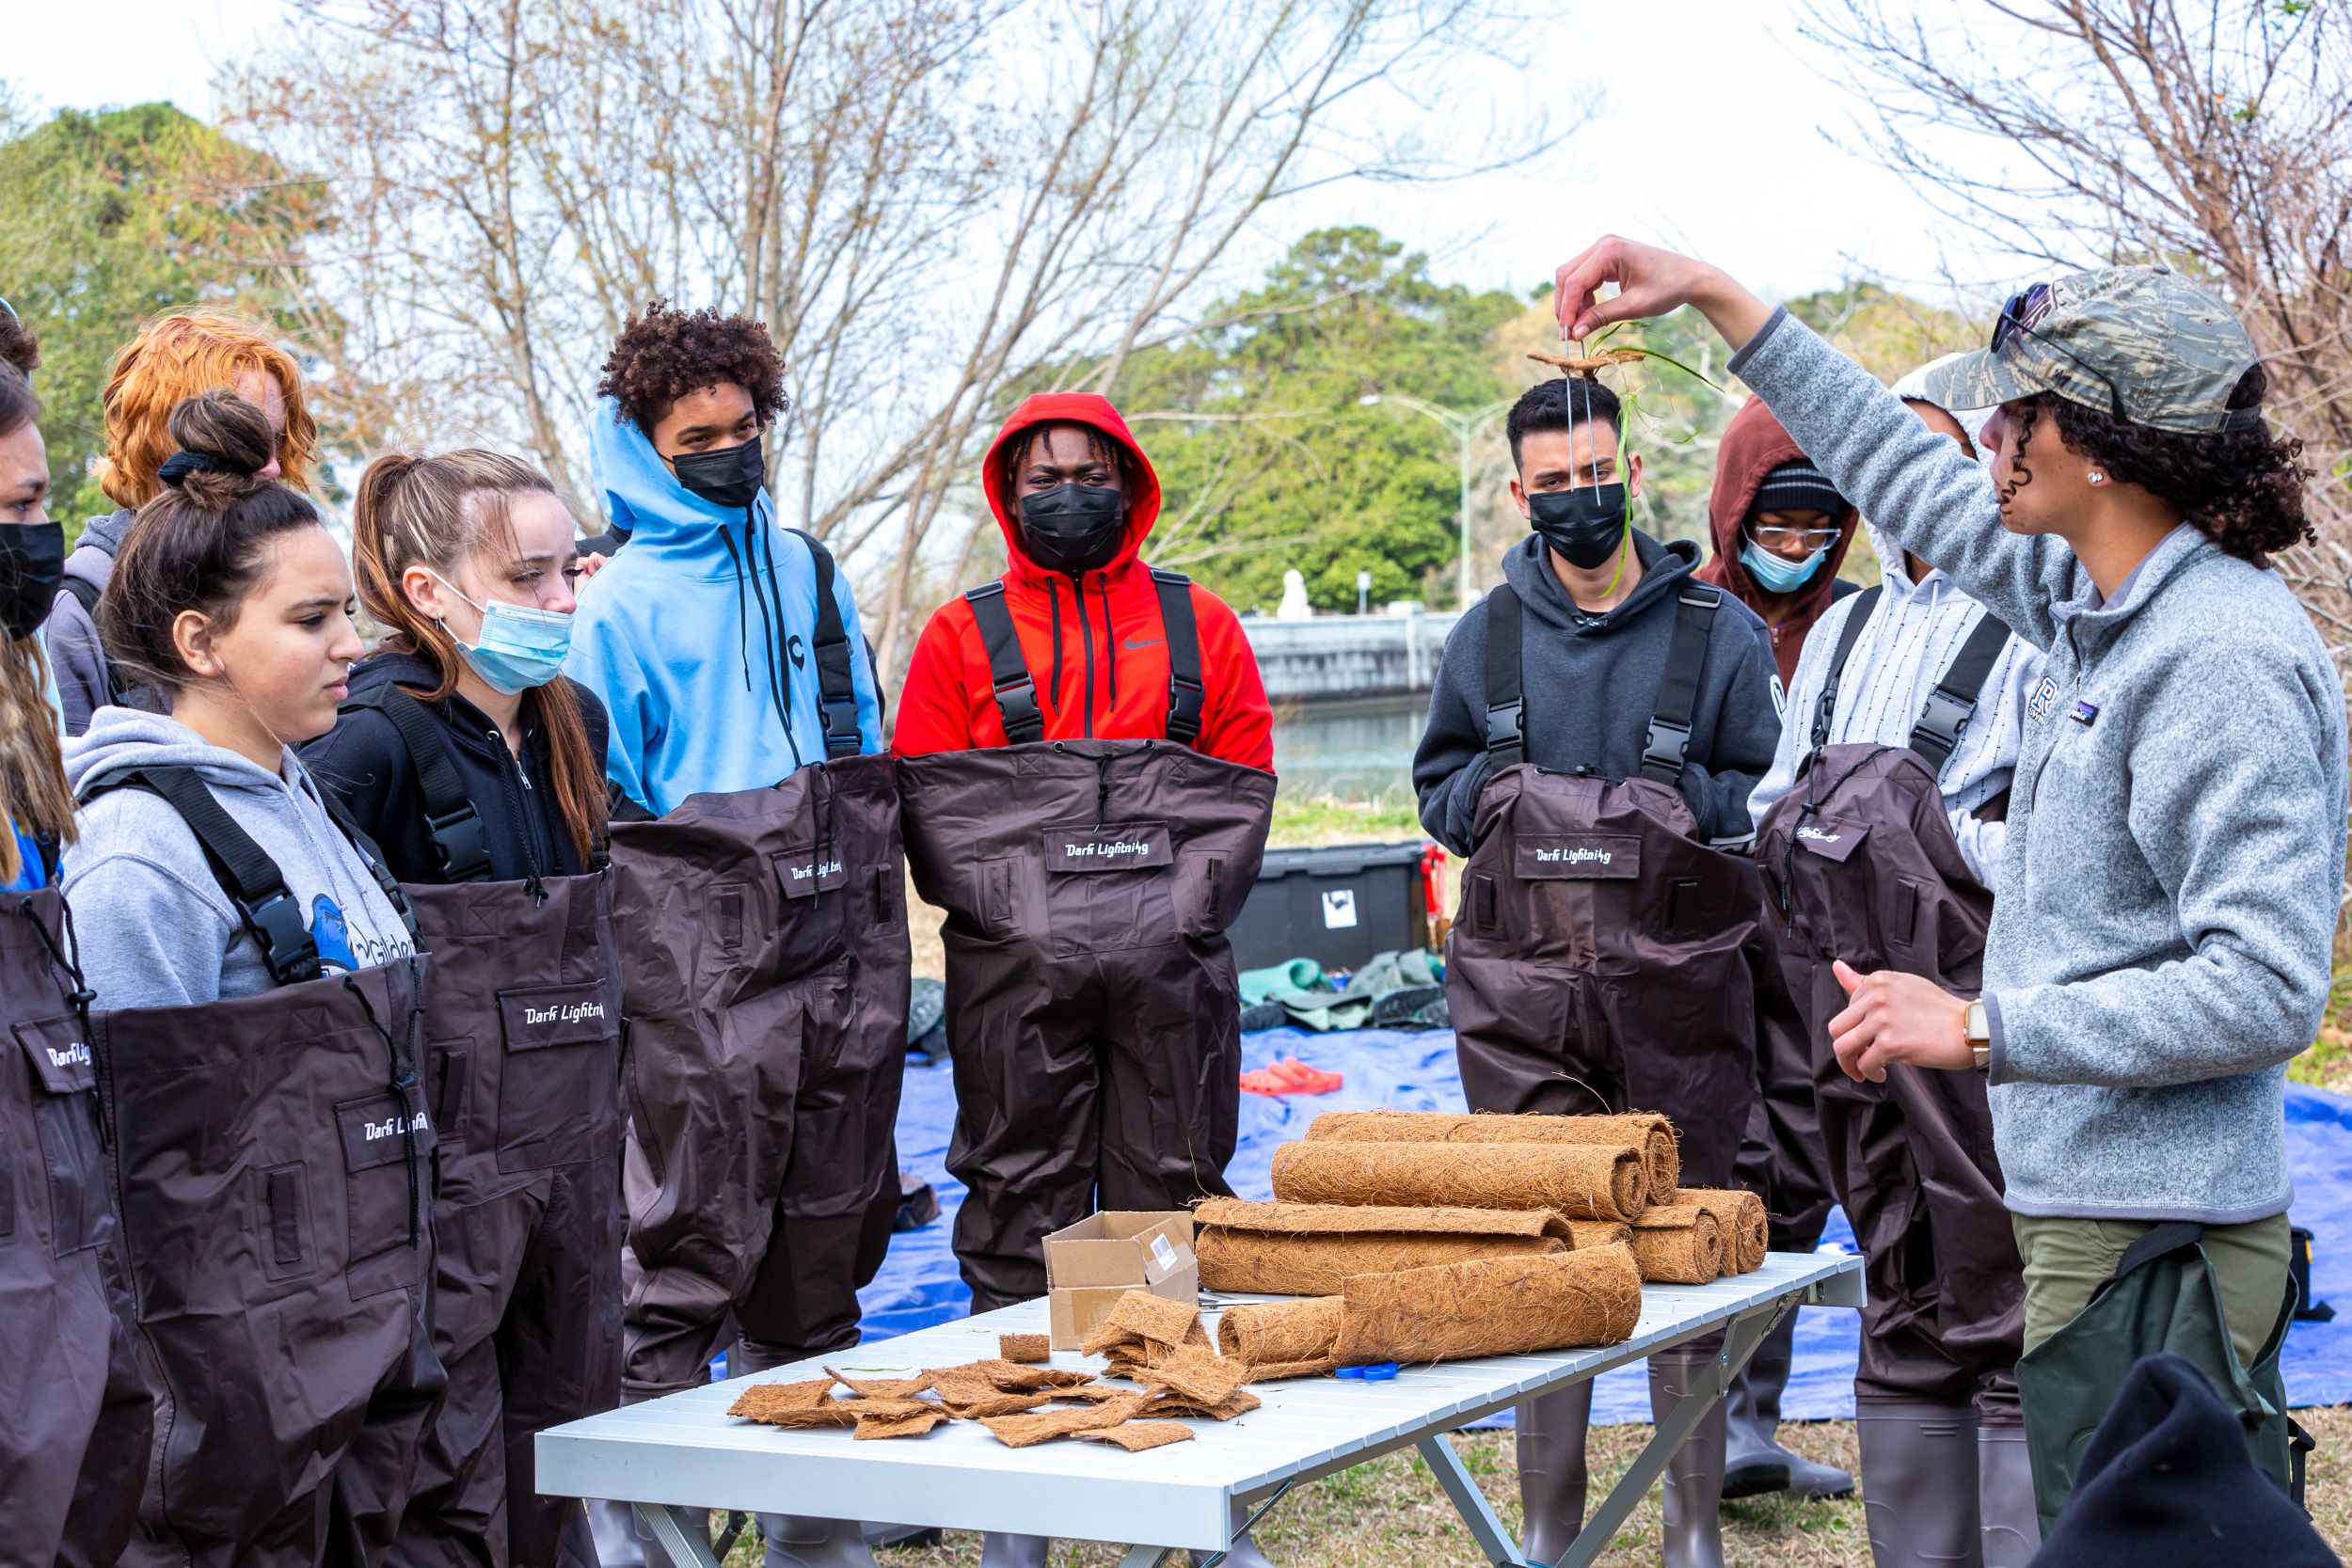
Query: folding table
x=685 y=1453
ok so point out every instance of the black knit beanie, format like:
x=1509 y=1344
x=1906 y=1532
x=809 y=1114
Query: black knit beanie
x=1795 y=486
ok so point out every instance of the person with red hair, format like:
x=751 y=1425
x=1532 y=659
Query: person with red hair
x=171 y=358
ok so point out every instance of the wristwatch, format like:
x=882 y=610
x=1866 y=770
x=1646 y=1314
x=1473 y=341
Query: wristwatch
x=1977 y=1028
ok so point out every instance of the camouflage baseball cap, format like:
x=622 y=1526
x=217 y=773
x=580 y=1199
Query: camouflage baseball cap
x=2142 y=344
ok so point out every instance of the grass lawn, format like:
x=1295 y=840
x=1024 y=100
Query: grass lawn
x=1391 y=1514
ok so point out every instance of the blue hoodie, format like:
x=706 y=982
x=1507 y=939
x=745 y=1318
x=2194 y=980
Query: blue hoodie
x=678 y=635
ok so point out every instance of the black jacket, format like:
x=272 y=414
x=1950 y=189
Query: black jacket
x=363 y=761
x=1590 y=683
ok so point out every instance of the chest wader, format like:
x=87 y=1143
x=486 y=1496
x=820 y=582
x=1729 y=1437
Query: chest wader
x=1598 y=963
x=271 y=1161
x=522 y=1074
x=75 y=1416
x=763 y=965
x=1860 y=863
x=1093 y=1012
x=2163 y=1297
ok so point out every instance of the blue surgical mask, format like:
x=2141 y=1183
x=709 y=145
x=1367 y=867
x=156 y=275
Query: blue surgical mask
x=519 y=649
x=1777 y=575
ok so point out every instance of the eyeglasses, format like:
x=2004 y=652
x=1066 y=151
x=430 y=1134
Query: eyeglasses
x=1773 y=537
x=2025 y=313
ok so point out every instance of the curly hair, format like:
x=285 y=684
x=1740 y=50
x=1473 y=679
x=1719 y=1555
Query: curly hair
x=667 y=353
x=178 y=357
x=2242 y=488
x=17 y=346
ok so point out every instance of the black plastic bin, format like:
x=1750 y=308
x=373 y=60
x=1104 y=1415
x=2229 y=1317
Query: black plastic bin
x=1338 y=905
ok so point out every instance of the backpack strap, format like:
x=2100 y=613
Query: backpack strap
x=452 y=821
x=836 y=679
x=267 y=908
x=1506 y=732
x=1669 y=742
x=1186 y=692
x=1825 y=706
x=1944 y=717
x=86 y=594
x=1016 y=688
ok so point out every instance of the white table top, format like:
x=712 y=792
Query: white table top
x=686 y=1450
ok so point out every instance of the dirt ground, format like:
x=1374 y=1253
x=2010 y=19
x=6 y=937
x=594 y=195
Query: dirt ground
x=1390 y=1513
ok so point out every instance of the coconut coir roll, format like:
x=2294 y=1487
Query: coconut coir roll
x=1295 y=1337
x=1646 y=1131
x=1578 y=1181
x=1678 y=1245
x=1491 y=1307
x=1593 y=1233
x=1305 y=1249
x=1747 y=1230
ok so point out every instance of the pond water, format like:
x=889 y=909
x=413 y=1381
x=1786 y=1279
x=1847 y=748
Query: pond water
x=1357 y=749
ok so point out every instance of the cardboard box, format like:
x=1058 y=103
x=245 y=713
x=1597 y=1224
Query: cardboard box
x=1090 y=1264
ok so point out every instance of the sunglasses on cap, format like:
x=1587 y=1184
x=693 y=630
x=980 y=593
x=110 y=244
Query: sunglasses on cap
x=2025 y=313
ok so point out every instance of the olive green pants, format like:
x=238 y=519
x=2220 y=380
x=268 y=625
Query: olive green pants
x=2068 y=1259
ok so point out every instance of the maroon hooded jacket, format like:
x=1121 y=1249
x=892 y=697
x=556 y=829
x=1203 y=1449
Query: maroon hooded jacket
x=1754 y=445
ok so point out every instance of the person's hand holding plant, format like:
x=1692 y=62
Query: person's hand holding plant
x=1892 y=1017
x=1650 y=281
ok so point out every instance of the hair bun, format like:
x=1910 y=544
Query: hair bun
x=225 y=443
x=180 y=464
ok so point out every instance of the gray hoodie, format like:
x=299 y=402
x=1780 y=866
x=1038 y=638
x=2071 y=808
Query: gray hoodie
x=155 y=925
x=74 y=650
x=2176 y=828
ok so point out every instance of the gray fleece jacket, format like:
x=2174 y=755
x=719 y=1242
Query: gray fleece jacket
x=155 y=928
x=1590 y=684
x=2176 y=828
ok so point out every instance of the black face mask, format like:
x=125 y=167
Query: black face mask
x=1073 y=528
x=724 y=476
x=32 y=564
x=1584 y=524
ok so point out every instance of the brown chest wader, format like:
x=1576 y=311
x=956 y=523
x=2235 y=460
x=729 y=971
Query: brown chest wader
x=1093 y=1012
x=271 y=1161
x=1860 y=863
x=522 y=1073
x=763 y=965
x=1599 y=963
x=75 y=1416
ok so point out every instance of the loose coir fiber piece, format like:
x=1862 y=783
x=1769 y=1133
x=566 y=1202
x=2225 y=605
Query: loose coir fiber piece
x=1025 y=1349
x=914 y=1423
x=1308 y=1249
x=1646 y=1131
x=793 y=1405
x=1201 y=1376
x=980 y=1405
x=1578 y=1181
x=1136 y=1437
x=1286 y=1334
x=1019 y=1431
x=882 y=1388
x=1492 y=1307
x=1156 y=1319
x=1747 y=1230
x=1593 y=1233
x=1678 y=1245
x=1239 y=1402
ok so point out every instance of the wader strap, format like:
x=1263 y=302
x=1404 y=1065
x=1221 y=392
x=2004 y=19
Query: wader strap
x=252 y=880
x=450 y=820
x=2169 y=1237
x=1506 y=731
x=836 y=680
x=1944 y=717
x=1187 y=694
x=1669 y=742
x=1825 y=707
x=1016 y=689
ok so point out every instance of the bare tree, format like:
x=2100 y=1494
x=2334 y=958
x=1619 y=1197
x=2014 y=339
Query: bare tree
x=934 y=204
x=2216 y=138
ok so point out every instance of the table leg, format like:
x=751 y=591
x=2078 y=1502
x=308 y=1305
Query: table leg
x=1469 y=1501
x=1740 y=1342
x=678 y=1534
x=1146 y=1557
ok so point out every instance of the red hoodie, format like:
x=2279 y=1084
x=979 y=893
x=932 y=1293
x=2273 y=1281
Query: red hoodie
x=1754 y=445
x=1096 y=648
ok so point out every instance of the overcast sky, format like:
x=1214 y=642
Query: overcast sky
x=1710 y=136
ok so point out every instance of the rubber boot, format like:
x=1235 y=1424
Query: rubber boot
x=2004 y=1502
x=614 y=1527
x=1919 y=1483
x=999 y=1550
x=1552 y=1477
x=1694 y=1476
x=1243 y=1553
x=1753 y=1461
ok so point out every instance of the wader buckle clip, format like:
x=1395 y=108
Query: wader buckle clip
x=1943 y=720
x=287 y=946
x=1185 y=699
x=1663 y=750
x=1505 y=727
x=836 y=715
x=457 y=841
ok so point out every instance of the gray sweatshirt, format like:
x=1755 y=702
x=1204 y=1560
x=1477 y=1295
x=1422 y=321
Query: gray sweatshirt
x=2176 y=829
x=74 y=650
x=154 y=927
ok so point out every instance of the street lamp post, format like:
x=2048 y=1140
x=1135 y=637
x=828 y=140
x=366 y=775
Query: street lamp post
x=1464 y=428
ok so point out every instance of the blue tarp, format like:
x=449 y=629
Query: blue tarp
x=1414 y=1071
